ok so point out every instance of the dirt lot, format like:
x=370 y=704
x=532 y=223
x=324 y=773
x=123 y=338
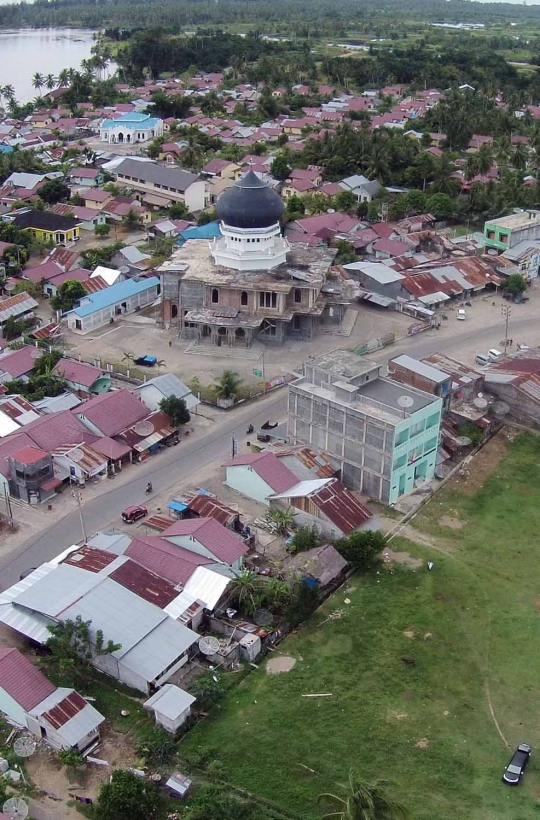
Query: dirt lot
x=140 y=336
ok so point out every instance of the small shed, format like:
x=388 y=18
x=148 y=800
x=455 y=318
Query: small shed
x=322 y=566
x=171 y=706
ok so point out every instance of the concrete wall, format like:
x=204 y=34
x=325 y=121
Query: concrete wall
x=10 y=707
x=103 y=315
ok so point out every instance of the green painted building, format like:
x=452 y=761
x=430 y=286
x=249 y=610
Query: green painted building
x=507 y=231
x=383 y=434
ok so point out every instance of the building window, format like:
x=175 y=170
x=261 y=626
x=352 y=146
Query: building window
x=297 y=295
x=267 y=299
x=503 y=237
x=243 y=298
x=417 y=428
x=432 y=420
x=215 y=296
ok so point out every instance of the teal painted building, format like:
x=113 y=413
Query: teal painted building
x=507 y=231
x=383 y=434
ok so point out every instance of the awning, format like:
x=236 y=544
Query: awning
x=51 y=484
x=156 y=199
x=177 y=506
x=434 y=298
x=376 y=298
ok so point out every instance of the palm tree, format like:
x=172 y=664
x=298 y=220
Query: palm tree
x=128 y=358
x=38 y=81
x=443 y=183
x=246 y=591
x=160 y=363
x=283 y=520
x=63 y=78
x=520 y=156
x=485 y=158
x=363 y=801
x=8 y=91
x=378 y=166
x=228 y=384
x=50 y=82
x=471 y=167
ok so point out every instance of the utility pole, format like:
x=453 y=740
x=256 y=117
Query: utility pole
x=9 y=511
x=506 y=312
x=76 y=494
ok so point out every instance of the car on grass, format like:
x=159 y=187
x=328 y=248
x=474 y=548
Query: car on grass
x=516 y=768
x=132 y=514
x=146 y=361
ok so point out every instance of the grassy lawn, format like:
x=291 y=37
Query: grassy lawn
x=472 y=628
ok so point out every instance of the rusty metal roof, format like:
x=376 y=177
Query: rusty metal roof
x=310 y=459
x=91 y=559
x=207 y=506
x=65 y=710
x=145 y=584
x=341 y=506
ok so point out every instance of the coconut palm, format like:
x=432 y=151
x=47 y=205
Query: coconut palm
x=443 y=183
x=38 y=81
x=378 y=162
x=471 y=167
x=283 y=519
x=485 y=158
x=245 y=590
x=362 y=801
x=63 y=78
x=128 y=358
x=8 y=91
x=228 y=384
x=50 y=82
x=520 y=156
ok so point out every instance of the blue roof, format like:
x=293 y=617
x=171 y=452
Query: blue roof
x=116 y=293
x=177 y=506
x=6 y=149
x=132 y=120
x=207 y=231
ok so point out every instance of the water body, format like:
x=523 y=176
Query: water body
x=47 y=50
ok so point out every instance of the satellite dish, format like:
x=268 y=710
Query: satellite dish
x=24 y=746
x=143 y=428
x=463 y=441
x=76 y=455
x=15 y=808
x=500 y=408
x=262 y=617
x=208 y=645
x=405 y=402
x=480 y=402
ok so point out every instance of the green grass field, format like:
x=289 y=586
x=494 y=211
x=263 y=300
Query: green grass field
x=473 y=630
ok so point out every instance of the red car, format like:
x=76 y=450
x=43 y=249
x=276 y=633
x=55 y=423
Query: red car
x=132 y=514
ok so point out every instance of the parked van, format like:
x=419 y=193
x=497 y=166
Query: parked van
x=460 y=316
x=495 y=355
x=482 y=359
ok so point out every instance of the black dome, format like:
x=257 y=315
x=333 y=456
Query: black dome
x=250 y=203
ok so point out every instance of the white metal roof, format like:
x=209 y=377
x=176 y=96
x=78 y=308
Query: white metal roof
x=427 y=370
x=31 y=624
x=303 y=488
x=434 y=298
x=180 y=604
x=170 y=701
x=7 y=424
x=207 y=586
x=108 y=274
x=376 y=270
x=57 y=590
x=159 y=648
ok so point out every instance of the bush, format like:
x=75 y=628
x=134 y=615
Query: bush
x=305 y=538
x=70 y=758
x=158 y=750
x=128 y=797
x=362 y=549
x=102 y=230
x=304 y=601
x=208 y=691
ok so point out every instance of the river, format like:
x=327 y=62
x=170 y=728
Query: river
x=25 y=51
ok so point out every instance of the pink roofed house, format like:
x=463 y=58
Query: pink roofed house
x=209 y=539
x=259 y=475
x=110 y=413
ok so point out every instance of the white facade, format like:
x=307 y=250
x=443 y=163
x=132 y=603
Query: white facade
x=131 y=128
x=171 y=707
x=250 y=248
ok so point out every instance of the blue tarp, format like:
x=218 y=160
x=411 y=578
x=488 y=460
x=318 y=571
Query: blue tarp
x=208 y=231
x=177 y=506
x=6 y=149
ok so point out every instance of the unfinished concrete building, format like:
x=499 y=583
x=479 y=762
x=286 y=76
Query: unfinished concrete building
x=249 y=284
x=382 y=434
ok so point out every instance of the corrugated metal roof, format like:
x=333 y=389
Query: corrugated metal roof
x=69 y=714
x=145 y=583
x=90 y=558
x=114 y=294
x=268 y=467
x=159 y=648
x=426 y=370
x=16 y=305
x=170 y=701
x=180 y=605
x=208 y=507
x=207 y=586
x=167 y=560
x=53 y=594
x=218 y=540
x=22 y=680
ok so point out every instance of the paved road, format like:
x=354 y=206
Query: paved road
x=176 y=463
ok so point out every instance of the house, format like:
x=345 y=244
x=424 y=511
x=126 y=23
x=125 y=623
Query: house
x=82 y=377
x=18 y=364
x=171 y=707
x=132 y=258
x=152 y=646
x=78 y=463
x=51 y=286
x=89 y=218
x=325 y=503
x=111 y=276
x=31 y=475
x=383 y=435
x=305 y=463
x=15 y=412
x=515 y=380
x=421 y=375
x=58 y=715
x=20 y=306
x=222 y=168
x=131 y=128
x=97 y=309
x=258 y=475
x=361 y=187
x=167 y=228
x=110 y=413
x=47 y=226
x=96 y=198
x=207 y=538
x=159 y=185
x=322 y=567
x=389 y=248
x=153 y=391
x=525 y=256
x=86 y=177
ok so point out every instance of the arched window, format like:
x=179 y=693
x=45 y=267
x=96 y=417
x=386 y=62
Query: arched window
x=215 y=296
x=243 y=298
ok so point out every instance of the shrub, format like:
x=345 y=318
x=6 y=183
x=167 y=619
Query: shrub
x=305 y=538
x=362 y=549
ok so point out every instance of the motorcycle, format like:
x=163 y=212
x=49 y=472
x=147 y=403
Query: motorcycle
x=249 y=430
x=149 y=488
